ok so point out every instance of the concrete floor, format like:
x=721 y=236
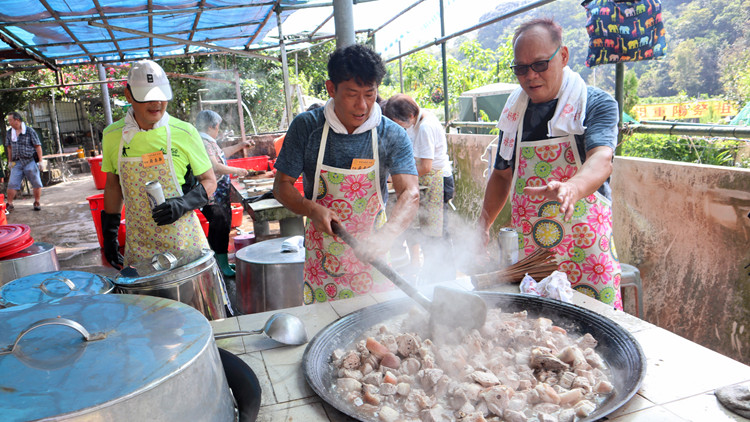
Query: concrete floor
x=65 y=221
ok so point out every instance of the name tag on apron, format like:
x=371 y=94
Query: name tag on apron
x=152 y=159
x=362 y=163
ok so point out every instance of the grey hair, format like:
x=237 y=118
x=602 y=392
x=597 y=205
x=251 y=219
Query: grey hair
x=207 y=119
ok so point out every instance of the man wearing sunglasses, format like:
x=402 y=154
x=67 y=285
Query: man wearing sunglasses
x=554 y=159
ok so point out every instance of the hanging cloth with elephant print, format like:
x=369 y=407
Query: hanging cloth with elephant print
x=622 y=31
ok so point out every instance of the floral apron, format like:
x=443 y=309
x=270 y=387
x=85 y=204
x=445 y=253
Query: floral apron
x=145 y=239
x=431 y=205
x=584 y=246
x=331 y=270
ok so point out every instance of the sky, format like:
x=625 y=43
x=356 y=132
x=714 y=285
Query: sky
x=416 y=27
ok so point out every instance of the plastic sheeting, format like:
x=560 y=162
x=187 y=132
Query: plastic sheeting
x=59 y=31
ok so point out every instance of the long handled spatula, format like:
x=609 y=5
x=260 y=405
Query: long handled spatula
x=448 y=306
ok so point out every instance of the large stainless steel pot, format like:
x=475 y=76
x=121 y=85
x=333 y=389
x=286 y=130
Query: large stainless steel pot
x=37 y=258
x=267 y=278
x=52 y=285
x=193 y=280
x=111 y=358
x=619 y=348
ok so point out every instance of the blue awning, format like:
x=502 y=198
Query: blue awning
x=64 y=32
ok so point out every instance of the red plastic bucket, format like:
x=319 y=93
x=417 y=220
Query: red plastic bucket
x=100 y=177
x=3 y=218
x=236 y=214
x=203 y=221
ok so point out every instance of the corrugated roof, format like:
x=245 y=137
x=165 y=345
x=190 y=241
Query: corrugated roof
x=66 y=32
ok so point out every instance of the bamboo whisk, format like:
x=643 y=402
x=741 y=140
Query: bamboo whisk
x=539 y=264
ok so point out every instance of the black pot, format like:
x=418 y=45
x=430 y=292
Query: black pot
x=618 y=348
x=244 y=385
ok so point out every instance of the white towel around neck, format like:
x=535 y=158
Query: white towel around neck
x=131 y=126
x=14 y=135
x=567 y=120
x=373 y=120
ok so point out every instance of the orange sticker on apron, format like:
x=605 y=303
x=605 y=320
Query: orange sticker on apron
x=152 y=158
x=362 y=163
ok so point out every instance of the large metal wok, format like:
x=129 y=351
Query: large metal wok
x=619 y=348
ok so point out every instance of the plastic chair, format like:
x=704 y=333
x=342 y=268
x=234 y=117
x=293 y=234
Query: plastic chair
x=631 y=277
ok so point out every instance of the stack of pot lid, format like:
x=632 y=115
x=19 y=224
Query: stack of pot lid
x=48 y=286
x=14 y=238
x=136 y=343
x=163 y=268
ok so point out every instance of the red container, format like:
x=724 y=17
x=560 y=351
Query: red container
x=100 y=177
x=203 y=221
x=236 y=214
x=3 y=218
x=96 y=204
x=122 y=233
x=298 y=184
x=258 y=163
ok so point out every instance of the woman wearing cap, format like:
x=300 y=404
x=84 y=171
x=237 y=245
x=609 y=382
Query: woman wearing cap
x=148 y=144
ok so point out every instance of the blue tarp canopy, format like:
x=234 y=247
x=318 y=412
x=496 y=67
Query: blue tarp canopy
x=70 y=32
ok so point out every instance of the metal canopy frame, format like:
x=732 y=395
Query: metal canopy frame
x=58 y=33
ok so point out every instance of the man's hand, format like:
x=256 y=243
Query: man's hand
x=174 y=208
x=321 y=218
x=565 y=193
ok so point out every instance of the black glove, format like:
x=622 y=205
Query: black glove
x=110 y=227
x=174 y=208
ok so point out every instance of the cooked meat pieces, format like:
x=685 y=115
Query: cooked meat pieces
x=514 y=368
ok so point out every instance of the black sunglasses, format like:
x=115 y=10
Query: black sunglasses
x=538 y=67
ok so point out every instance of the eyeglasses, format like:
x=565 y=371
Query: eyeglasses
x=538 y=67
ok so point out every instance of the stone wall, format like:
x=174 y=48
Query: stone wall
x=686 y=228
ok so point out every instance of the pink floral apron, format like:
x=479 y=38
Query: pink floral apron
x=431 y=205
x=331 y=270
x=145 y=238
x=584 y=246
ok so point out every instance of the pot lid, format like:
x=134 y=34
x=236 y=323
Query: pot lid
x=269 y=252
x=163 y=267
x=14 y=238
x=135 y=343
x=44 y=287
x=35 y=249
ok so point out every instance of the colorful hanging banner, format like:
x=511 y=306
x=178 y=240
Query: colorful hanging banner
x=692 y=110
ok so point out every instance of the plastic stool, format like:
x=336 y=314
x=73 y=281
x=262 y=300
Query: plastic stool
x=631 y=277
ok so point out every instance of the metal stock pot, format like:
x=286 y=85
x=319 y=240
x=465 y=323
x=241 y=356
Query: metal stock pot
x=191 y=279
x=110 y=358
x=37 y=258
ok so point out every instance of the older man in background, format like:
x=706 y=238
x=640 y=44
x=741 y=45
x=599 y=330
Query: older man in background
x=24 y=158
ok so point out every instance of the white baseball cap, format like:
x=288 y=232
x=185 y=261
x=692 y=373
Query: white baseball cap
x=148 y=82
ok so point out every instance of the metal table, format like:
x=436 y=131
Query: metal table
x=265 y=211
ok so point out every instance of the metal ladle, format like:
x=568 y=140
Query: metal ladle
x=282 y=327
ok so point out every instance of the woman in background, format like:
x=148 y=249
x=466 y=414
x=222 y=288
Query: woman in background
x=434 y=169
x=219 y=211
